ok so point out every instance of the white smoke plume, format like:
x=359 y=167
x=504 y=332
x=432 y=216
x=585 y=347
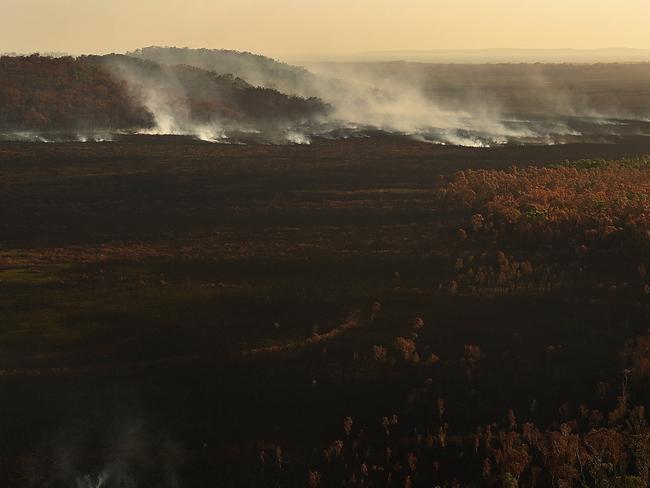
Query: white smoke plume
x=130 y=454
x=230 y=97
x=480 y=105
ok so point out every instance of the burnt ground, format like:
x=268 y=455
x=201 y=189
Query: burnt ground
x=138 y=278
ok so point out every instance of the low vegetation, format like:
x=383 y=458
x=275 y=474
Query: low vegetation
x=358 y=313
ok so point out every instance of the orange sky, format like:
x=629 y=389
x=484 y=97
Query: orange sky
x=290 y=28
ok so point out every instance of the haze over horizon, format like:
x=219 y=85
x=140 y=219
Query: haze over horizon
x=319 y=29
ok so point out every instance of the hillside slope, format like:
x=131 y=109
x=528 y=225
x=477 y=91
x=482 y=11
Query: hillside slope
x=256 y=69
x=121 y=93
x=42 y=93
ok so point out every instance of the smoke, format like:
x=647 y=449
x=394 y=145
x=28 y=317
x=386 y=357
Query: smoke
x=24 y=136
x=52 y=137
x=229 y=97
x=213 y=107
x=467 y=105
x=160 y=91
x=360 y=104
x=257 y=70
x=480 y=105
x=131 y=454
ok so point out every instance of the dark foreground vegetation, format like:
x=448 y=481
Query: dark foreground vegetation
x=356 y=313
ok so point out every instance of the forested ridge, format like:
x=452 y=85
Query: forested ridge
x=115 y=92
x=254 y=68
x=42 y=93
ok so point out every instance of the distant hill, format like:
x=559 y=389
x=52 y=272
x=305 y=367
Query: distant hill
x=120 y=92
x=460 y=56
x=347 y=97
x=596 y=90
x=255 y=69
x=192 y=94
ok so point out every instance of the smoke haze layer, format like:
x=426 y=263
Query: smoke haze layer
x=471 y=105
x=233 y=97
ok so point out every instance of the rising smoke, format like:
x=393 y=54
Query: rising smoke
x=231 y=97
x=484 y=105
x=470 y=105
x=133 y=455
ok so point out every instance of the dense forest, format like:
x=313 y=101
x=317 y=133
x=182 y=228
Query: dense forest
x=42 y=93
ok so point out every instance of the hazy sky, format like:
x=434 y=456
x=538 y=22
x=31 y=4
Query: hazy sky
x=309 y=27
